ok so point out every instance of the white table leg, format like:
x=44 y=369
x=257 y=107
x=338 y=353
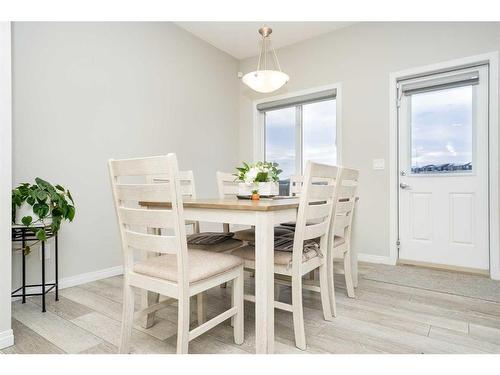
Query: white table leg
x=264 y=283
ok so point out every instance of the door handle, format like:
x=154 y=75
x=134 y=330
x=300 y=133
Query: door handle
x=404 y=186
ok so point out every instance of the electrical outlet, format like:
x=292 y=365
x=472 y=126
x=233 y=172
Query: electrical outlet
x=47 y=251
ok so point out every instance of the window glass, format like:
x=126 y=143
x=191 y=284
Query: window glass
x=319 y=132
x=441 y=131
x=280 y=139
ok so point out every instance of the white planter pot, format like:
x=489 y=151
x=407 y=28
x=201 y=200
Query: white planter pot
x=264 y=188
x=27 y=210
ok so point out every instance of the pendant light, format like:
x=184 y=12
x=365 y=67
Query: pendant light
x=266 y=80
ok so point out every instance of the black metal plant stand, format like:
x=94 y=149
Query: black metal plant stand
x=25 y=236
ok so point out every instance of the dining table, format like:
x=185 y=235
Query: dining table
x=263 y=215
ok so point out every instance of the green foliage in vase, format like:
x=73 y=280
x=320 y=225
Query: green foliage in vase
x=51 y=204
x=258 y=172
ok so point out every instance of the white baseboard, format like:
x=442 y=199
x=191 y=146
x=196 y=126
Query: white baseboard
x=378 y=259
x=6 y=338
x=68 y=282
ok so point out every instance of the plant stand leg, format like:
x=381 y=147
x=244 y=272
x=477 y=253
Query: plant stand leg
x=43 y=276
x=24 y=266
x=56 y=260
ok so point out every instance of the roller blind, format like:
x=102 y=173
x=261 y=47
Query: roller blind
x=297 y=100
x=449 y=81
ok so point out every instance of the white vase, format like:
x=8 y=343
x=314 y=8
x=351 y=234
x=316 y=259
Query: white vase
x=27 y=210
x=263 y=188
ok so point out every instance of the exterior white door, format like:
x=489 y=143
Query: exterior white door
x=443 y=168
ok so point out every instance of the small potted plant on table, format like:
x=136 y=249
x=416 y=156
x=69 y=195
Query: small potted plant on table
x=258 y=179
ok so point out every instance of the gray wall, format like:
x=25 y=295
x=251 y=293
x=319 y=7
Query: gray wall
x=361 y=57
x=87 y=92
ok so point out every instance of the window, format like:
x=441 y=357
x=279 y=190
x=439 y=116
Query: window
x=439 y=115
x=300 y=129
x=441 y=131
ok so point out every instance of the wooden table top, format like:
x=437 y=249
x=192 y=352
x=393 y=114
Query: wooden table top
x=233 y=204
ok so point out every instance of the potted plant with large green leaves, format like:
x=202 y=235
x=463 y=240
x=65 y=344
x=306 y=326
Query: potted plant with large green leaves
x=41 y=207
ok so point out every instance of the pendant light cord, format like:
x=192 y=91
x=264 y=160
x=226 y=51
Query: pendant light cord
x=264 y=51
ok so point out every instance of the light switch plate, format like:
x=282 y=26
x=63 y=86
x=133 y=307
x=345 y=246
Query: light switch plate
x=378 y=164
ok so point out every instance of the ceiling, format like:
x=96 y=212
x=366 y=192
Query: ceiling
x=241 y=39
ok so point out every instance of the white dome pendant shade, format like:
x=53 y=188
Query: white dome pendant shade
x=266 y=80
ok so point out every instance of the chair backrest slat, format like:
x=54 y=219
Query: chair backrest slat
x=143 y=192
x=316 y=230
x=227 y=185
x=318 y=192
x=345 y=198
x=147 y=218
x=140 y=166
x=152 y=242
x=347 y=191
x=318 y=211
x=186 y=181
x=344 y=207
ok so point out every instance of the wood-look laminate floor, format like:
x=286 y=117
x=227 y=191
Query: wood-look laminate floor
x=385 y=317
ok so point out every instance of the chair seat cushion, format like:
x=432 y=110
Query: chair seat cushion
x=208 y=238
x=249 y=234
x=228 y=244
x=202 y=265
x=291 y=224
x=281 y=258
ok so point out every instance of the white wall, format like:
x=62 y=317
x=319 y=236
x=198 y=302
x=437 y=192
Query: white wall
x=87 y=92
x=6 y=337
x=361 y=57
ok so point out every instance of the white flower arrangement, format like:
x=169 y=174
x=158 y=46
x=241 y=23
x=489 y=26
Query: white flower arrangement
x=258 y=178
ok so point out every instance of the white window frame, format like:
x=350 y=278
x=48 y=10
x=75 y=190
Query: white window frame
x=491 y=59
x=259 y=121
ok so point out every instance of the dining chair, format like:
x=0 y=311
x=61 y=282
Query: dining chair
x=307 y=249
x=188 y=191
x=178 y=273
x=342 y=220
x=296 y=182
x=340 y=233
x=228 y=188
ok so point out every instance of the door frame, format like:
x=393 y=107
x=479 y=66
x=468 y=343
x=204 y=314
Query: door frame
x=492 y=59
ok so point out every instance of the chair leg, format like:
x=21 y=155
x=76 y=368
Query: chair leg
x=331 y=284
x=148 y=299
x=127 y=318
x=238 y=302
x=183 y=326
x=201 y=308
x=298 y=313
x=348 y=275
x=325 y=294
